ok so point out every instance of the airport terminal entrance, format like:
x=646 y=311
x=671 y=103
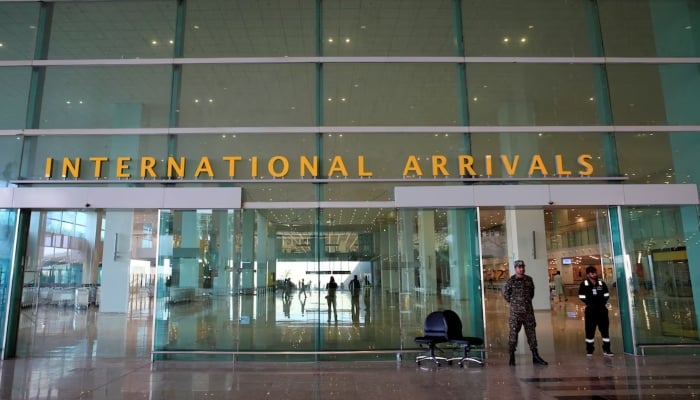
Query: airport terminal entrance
x=551 y=241
x=253 y=282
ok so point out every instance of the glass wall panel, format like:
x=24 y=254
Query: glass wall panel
x=352 y=244
x=241 y=28
x=14 y=82
x=661 y=246
x=251 y=156
x=438 y=269
x=655 y=94
x=7 y=240
x=559 y=154
x=88 y=284
x=106 y=97
x=390 y=94
x=10 y=154
x=18 y=27
x=385 y=155
x=212 y=262
x=388 y=28
x=112 y=29
x=533 y=94
x=663 y=28
x=247 y=95
x=685 y=146
x=540 y=28
x=83 y=147
x=647 y=157
x=198 y=271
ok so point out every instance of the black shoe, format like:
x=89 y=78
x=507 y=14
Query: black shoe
x=536 y=359
x=511 y=360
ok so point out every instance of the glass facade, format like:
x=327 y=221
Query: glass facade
x=8 y=221
x=660 y=244
x=14 y=95
x=318 y=111
x=105 y=97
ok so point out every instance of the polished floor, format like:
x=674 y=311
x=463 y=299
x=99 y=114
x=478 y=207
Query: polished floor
x=569 y=376
x=65 y=358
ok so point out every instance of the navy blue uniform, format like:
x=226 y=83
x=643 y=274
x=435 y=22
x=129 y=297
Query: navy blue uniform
x=596 y=296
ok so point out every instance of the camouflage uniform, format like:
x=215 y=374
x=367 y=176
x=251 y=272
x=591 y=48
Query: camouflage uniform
x=519 y=292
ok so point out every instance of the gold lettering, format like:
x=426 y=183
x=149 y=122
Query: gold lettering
x=439 y=163
x=308 y=166
x=147 y=164
x=337 y=166
x=204 y=166
x=254 y=166
x=412 y=166
x=537 y=165
x=271 y=166
x=279 y=166
x=73 y=168
x=489 y=165
x=510 y=167
x=560 y=166
x=583 y=160
x=361 y=167
x=48 y=166
x=122 y=167
x=465 y=166
x=232 y=164
x=175 y=167
x=98 y=165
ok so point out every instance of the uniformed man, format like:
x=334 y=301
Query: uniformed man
x=518 y=292
x=594 y=292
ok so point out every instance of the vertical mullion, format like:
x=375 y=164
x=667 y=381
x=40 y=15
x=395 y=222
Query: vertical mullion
x=318 y=246
x=36 y=88
x=624 y=293
x=595 y=39
x=176 y=80
x=41 y=51
x=462 y=91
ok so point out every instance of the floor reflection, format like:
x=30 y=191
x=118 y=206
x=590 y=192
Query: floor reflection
x=273 y=321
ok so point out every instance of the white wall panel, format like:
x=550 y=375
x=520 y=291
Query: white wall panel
x=121 y=198
x=545 y=195
x=424 y=196
x=507 y=195
x=600 y=195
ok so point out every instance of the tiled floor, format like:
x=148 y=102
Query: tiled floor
x=568 y=377
x=63 y=362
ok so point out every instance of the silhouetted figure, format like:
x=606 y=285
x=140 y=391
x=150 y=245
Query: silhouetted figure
x=332 y=287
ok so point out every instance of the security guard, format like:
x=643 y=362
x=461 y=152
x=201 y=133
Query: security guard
x=594 y=292
x=518 y=291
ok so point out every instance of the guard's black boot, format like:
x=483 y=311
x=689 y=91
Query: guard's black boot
x=606 y=349
x=589 y=349
x=536 y=359
x=511 y=360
